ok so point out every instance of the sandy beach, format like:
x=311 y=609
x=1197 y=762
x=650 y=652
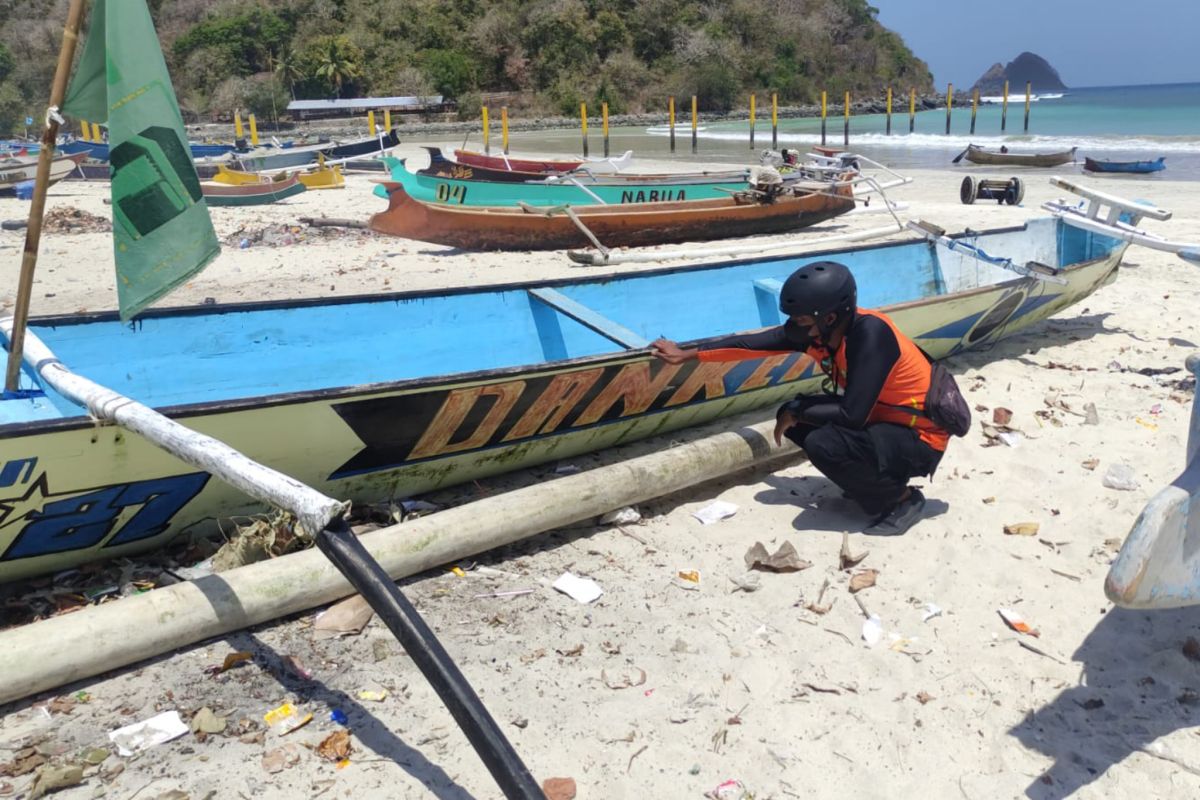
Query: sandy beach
x=666 y=689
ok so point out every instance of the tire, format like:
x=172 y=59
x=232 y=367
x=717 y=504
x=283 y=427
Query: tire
x=1015 y=193
x=967 y=191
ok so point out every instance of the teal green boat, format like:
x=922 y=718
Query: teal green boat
x=452 y=191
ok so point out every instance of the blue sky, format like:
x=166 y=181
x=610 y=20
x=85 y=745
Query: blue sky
x=1089 y=42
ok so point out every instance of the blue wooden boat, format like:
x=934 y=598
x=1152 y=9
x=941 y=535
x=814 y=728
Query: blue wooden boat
x=1095 y=165
x=459 y=192
x=382 y=396
x=96 y=151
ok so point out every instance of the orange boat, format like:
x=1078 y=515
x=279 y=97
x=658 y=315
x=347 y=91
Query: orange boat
x=511 y=164
x=628 y=225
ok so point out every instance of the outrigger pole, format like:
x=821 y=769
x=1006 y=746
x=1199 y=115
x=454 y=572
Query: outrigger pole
x=33 y=233
x=324 y=518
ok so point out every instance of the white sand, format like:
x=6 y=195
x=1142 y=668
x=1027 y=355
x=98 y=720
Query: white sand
x=748 y=686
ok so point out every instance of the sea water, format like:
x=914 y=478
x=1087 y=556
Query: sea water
x=1121 y=123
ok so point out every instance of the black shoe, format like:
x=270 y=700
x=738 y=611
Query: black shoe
x=902 y=517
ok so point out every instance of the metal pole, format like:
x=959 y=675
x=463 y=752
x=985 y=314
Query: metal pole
x=1004 y=109
x=751 y=122
x=889 y=111
x=695 y=121
x=822 y=118
x=974 y=109
x=949 y=104
x=774 y=121
x=33 y=232
x=1028 y=87
x=604 y=125
x=347 y=553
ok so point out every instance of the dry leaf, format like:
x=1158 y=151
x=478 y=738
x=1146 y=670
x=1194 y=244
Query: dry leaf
x=924 y=697
x=1022 y=529
x=51 y=778
x=1091 y=463
x=346 y=618
x=281 y=758
x=864 y=579
x=559 y=788
x=335 y=746
x=529 y=658
x=626 y=681
x=846 y=559
x=574 y=652
x=610 y=648
x=785 y=559
x=1001 y=416
x=205 y=721
x=987 y=501
x=24 y=762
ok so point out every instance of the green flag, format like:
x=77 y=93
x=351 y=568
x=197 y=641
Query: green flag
x=162 y=234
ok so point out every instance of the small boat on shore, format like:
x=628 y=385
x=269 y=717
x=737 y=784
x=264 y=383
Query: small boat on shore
x=251 y=194
x=320 y=178
x=19 y=169
x=442 y=167
x=527 y=164
x=1139 y=167
x=1002 y=157
x=631 y=225
x=449 y=386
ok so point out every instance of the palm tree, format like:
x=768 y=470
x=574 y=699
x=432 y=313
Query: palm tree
x=336 y=64
x=286 y=67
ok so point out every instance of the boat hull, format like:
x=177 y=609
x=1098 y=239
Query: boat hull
x=615 y=226
x=19 y=170
x=1137 y=167
x=977 y=155
x=472 y=158
x=251 y=194
x=72 y=490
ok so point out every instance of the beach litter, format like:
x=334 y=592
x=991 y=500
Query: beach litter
x=1120 y=477
x=232 y=660
x=729 y=790
x=148 y=733
x=872 y=630
x=559 y=788
x=206 y=722
x=281 y=758
x=51 y=778
x=1001 y=416
x=715 y=512
x=622 y=516
x=931 y=610
x=863 y=579
x=750 y=582
x=375 y=696
x=847 y=559
x=584 y=590
x=336 y=746
x=286 y=718
x=1016 y=622
x=1021 y=529
x=784 y=559
x=345 y=618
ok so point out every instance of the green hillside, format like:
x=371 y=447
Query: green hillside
x=552 y=54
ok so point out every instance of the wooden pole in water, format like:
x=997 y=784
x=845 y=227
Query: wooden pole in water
x=1004 y=109
x=253 y=130
x=604 y=125
x=33 y=231
x=86 y=134
x=239 y=132
x=671 y=118
x=1028 y=93
x=846 y=124
x=974 y=109
x=97 y=136
x=912 y=109
x=504 y=129
x=822 y=118
x=695 y=123
x=774 y=121
x=583 y=120
x=751 y=121
x=889 y=111
x=487 y=148
x=387 y=120
x=949 y=104
x=371 y=122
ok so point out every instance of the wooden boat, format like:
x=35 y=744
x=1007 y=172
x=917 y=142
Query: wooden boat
x=98 y=151
x=442 y=167
x=320 y=178
x=978 y=155
x=90 y=170
x=1094 y=165
x=369 y=146
x=453 y=385
x=630 y=225
x=505 y=162
x=251 y=194
x=454 y=191
x=1158 y=565
x=20 y=169
x=268 y=158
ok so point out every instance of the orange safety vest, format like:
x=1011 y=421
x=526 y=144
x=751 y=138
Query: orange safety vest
x=906 y=386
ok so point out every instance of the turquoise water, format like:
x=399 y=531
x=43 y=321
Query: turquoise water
x=1122 y=123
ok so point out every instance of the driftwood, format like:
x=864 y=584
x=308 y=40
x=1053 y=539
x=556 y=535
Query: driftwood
x=332 y=222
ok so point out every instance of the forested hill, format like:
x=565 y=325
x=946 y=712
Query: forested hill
x=553 y=54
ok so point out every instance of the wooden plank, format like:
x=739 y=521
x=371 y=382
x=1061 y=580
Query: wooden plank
x=589 y=318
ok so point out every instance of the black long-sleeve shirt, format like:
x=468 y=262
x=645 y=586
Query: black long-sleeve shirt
x=871 y=352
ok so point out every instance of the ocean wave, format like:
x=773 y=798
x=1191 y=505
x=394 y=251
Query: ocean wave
x=1168 y=144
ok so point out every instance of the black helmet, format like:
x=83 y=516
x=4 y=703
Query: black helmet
x=819 y=289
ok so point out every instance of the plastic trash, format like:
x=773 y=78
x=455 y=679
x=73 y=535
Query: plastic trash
x=148 y=733
x=729 y=790
x=622 y=516
x=585 y=590
x=715 y=512
x=338 y=716
x=24 y=190
x=244 y=244
x=1010 y=438
x=931 y=610
x=1016 y=621
x=286 y=718
x=872 y=630
x=1120 y=477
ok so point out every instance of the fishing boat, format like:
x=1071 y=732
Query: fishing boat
x=98 y=151
x=251 y=194
x=1098 y=165
x=319 y=178
x=978 y=155
x=19 y=169
x=454 y=191
x=452 y=385
x=528 y=164
x=90 y=170
x=531 y=227
x=268 y=158
x=442 y=167
x=362 y=148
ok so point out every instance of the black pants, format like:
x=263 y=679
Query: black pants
x=872 y=465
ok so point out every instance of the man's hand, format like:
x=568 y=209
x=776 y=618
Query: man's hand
x=784 y=421
x=670 y=352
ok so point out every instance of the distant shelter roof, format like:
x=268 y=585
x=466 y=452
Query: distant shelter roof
x=365 y=103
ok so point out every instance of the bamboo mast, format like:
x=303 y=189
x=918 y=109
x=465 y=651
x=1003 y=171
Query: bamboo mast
x=33 y=233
